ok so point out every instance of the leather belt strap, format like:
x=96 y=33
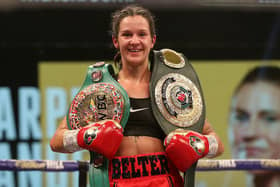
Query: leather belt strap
x=100 y=97
x=176 y=96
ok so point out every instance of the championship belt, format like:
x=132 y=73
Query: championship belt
x=176 y=96
x=100 y=97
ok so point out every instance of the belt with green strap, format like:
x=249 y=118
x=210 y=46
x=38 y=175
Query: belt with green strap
x=100 y=97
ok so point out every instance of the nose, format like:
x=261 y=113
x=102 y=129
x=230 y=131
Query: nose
x=134 y=39
x=250 y=130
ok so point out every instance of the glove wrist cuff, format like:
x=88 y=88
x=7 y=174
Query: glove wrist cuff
x=213 y=146
x=70 y=143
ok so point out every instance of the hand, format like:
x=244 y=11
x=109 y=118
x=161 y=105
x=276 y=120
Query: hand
x=185 y=147
x=103 y=137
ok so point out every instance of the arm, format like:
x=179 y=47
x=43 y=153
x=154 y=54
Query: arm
x=56 y=142
x=208 y=130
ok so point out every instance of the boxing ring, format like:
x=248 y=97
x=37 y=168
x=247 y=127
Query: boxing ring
x=82 y=166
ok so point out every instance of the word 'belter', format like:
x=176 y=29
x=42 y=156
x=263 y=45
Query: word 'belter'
x=130 y=167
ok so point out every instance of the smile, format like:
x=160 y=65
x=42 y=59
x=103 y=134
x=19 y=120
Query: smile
x=134 y=50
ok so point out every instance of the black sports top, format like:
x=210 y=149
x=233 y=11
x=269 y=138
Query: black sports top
x=141 y=121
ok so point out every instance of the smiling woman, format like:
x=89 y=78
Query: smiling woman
x=134 y=41
x=159 y=154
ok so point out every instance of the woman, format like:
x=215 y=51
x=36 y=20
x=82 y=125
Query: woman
x=255 y=122
x=133 y=35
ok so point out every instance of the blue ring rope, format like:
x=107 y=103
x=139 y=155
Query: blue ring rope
x=203 y=165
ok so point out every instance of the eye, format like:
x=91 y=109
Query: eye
x=126 y=34
x=142 y=34
x=270 y=118
x=241 y=116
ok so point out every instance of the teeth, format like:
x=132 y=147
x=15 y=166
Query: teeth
x=134 y=50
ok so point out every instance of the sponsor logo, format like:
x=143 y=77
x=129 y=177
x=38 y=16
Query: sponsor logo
x=197 y=144
x=137 y=109
x=90 y=135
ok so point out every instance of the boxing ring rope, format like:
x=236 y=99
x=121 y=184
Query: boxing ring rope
x=83 y=166
x=203 y=165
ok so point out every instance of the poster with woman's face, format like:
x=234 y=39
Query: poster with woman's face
x=248 y=121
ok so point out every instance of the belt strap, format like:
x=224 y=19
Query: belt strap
x=176 y=96
x=98 y=88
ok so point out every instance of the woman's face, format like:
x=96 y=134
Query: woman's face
x=255 y=121
x=134 y=40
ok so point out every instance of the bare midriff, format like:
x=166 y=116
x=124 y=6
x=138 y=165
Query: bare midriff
x=134 y=145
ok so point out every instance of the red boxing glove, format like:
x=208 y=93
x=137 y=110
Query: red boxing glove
x=184 y=148
x=103 y=137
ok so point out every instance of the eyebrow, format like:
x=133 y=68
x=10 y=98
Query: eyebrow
x=237 y=109
x=261 y=112
x=269 y=112
x=128 y=30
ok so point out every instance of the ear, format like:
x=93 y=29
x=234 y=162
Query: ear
x=154 y=40
x=115 y=42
